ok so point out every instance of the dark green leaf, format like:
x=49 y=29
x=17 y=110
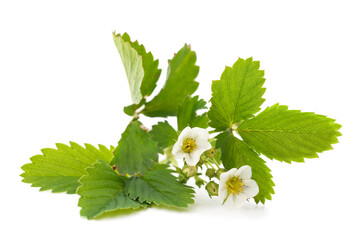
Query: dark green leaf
x=136 y=151
x=187 y=113
x=159 y=186
x=102 y=190
x=163 y=134
x=238 y=95
x=180 y=83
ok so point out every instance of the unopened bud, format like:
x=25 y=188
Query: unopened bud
x=210 y=173
x=189 y=171
x=210 y=153
x=199 y=181
x=212 y=188
x=218 y=172
x=182 y=178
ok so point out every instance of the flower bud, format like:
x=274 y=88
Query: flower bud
x=199 y=181
x=212 y=188
x=182 y=178
x=189 y=171
x=218 y=172
x=210 y=173
x=210 y=153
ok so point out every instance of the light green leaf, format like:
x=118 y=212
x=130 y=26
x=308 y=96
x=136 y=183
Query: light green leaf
x=187 y=113
x=159 y=186
x=238 y=95
x=101 y=191
x=150 y=67
x=133 y=67
x=180 y=83
x=136 y=151
x=236 y=153
x=59 y=169
x=163 y=134
x=289 y=135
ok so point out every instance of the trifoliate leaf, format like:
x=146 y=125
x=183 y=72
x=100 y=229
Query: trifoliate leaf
x=289 y=135
x=133 y=67
x=238 y=95
x=187 y=113
x=150 y=67
x=159 y=186
x=101 y=191
x=236 y=153
x=180 y=83
x=136 y=151
x=163 y=134
x=59 y=169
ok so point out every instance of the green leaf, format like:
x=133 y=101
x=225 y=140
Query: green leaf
x=150 y=67
x=180 y=83
x=238 y=95
x=102 y=190
x=187 y=113
x=136 y=151
x=159 y=186
x=236 y=153
x=59 y=169
x=133 y=67
x=163 y=134
x=289 y=135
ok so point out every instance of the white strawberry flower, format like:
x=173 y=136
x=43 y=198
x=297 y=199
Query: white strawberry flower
x=191 y=143
x=236 y=186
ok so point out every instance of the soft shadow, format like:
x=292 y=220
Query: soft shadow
x=119 y=213
x=171 y=208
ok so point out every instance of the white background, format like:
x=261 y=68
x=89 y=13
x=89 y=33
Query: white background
x=62 y=79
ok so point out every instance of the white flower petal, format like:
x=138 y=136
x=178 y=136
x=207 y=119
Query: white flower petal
x=177 y=150
x=239 y=200
x=229 y=201
x=203 y=145
x=186 y=132
x=200 y=134
x=222 y=192
x=227 y=175
x=192 y=158
x=250 y=188
x=244 y=172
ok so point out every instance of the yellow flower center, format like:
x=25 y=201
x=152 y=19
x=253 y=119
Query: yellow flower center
x=234 y=185
x=188 y=145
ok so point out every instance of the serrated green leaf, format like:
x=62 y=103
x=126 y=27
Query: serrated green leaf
x=180 y=83
x=159 y=186
x=163 y=134
x=133 y=67
x=136 y=151
x=187 y=113
x=101 y=191
x=59 y=169
x=238 y=95
x=150 y=67
x=289 y=135
x=236 y=153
